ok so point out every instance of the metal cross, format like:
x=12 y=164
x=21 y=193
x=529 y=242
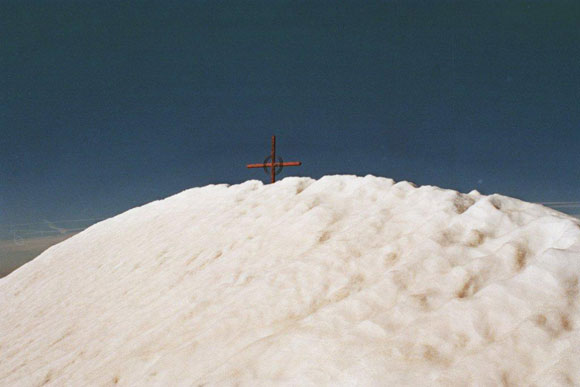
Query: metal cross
x=270 y=162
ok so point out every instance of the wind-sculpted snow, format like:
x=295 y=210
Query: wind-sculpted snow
x=339 y=281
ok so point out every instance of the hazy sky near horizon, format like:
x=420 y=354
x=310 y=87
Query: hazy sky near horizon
x=107 y=105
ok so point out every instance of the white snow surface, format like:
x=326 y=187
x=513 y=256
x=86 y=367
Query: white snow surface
x=344 y=280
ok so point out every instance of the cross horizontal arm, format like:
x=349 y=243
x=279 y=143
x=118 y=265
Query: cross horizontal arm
x=288 y=164
x=257 y=165
x=284 y=164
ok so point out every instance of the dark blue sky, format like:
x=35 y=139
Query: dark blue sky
x=105 y=105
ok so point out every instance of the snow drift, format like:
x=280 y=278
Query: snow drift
x=339 y=281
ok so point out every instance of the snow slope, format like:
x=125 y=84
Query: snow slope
x=339 y=281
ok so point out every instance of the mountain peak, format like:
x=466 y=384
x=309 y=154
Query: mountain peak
x=342 y=280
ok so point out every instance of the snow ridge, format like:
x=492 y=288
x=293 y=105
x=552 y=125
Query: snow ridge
x=338 y=281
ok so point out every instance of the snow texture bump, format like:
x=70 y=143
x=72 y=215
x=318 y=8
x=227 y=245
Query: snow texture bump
x=339 y=281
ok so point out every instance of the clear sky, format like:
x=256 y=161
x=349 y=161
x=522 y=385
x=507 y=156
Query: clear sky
x=106 y=105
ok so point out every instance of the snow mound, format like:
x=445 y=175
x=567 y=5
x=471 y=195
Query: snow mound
x=339 y=281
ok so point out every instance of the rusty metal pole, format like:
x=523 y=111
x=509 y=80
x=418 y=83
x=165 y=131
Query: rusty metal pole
x=273 y=161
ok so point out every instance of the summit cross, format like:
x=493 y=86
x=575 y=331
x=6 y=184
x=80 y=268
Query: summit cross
x=273 y=163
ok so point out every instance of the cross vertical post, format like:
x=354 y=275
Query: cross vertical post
x=273 y=154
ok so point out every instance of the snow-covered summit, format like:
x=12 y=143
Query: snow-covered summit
x=339 y=281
